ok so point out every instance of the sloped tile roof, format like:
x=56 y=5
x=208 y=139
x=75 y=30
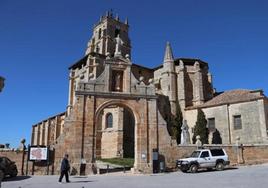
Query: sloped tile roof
x=233 y=96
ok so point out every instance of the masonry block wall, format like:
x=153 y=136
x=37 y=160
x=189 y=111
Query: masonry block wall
x=15 y=156
x=238 y=154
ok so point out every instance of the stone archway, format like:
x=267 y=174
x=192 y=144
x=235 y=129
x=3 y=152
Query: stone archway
x=123 y=137
x=80 y=139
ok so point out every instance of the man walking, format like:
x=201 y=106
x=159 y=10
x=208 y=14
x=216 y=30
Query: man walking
x=65 y=168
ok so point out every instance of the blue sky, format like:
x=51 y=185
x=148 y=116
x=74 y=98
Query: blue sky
x=39 y=40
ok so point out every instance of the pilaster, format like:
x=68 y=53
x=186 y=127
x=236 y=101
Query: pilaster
x=181 y=85
x=198 y=86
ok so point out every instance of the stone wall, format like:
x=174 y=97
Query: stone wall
x=39 y=168
x=47 y=131
x=252 y=117
x=238 y=154
x=15 y=156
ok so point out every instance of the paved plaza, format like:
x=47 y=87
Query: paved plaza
x=242 y=177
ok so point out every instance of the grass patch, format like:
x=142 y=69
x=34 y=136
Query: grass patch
x=127 y=162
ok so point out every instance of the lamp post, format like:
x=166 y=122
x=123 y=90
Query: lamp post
x=22 y=147
x=2 y=83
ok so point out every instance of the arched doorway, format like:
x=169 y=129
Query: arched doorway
x=115 y=132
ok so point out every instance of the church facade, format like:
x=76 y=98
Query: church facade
x=120 y=109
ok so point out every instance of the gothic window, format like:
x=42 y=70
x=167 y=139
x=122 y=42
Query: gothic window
x=99 y=33
x=97 y=49
x=211 y=124
x=109 y=120
x=117 y=32
x=104 y=32
x=237 y=122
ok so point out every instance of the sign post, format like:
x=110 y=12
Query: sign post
x=38 y=153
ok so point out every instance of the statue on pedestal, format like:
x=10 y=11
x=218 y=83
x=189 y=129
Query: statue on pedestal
x=118 y=45
x=118 y=82
x=185 y=136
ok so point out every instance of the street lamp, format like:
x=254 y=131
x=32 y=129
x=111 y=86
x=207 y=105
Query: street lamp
x=2 y=83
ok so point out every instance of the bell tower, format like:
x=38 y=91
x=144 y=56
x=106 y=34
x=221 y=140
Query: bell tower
x=103 y=40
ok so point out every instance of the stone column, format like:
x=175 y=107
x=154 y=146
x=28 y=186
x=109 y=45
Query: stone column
x=35 y=135
x=120 y=132
x=41 y=132
x=47 y=127
x=38 y=134
x=71 y=92
x=56 y=128
x=127 y=79
x=198 y=86
x=181 y=86
x=108 y=75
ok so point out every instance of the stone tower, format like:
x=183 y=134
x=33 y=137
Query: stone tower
x=169 y=78
x=105 y=32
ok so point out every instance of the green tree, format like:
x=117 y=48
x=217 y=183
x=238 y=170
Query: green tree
x=201 y=128
x=177 y=124
x=216 y=137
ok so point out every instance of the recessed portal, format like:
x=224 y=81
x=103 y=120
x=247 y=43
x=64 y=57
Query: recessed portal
x=115 y=134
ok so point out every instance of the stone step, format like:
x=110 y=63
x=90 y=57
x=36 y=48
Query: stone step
x=105 y=167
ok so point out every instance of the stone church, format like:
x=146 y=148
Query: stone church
x=120 y=109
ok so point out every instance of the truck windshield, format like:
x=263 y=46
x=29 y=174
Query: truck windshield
x=195 y=154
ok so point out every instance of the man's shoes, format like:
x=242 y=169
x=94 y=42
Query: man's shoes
x=68 y=182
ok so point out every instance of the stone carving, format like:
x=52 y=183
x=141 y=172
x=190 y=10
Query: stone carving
x=185 y=136
x=118 y=45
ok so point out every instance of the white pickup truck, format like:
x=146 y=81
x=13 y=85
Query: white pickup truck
x=204 y=158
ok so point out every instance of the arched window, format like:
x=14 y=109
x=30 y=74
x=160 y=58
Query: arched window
x=99 y=33
x=116 y=32
x=109 y=120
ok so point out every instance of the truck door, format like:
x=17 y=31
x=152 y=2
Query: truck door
x=205 y=159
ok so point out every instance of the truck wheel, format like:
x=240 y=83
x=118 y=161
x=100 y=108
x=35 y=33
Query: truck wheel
x=193 y=168
x=219 y=166
x=184 y=171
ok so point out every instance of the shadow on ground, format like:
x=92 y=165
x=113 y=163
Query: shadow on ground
x=17 y=178
x=214 y=170
x=83 y=181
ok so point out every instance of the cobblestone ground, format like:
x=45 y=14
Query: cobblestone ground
x=242 y=177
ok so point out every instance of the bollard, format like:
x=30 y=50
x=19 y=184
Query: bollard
x=124 y=169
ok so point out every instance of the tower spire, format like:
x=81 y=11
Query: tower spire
x=168 y=53
x=126 y=21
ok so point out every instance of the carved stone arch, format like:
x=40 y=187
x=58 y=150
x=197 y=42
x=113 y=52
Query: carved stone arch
x=119 y=103
x=136 y=116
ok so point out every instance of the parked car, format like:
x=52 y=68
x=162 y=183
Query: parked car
x=204 y=158
x=7 y=168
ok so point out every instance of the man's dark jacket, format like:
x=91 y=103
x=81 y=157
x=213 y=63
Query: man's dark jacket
x=65 y=166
